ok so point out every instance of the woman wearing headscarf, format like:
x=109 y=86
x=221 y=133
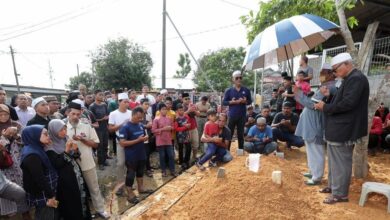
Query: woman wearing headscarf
x=39 y=176
x=70 y=188
x=311 y=125
x=10 y=142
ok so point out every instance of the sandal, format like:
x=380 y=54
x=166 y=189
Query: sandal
x=334 y=199
x=326 y=190
x=308 y=175
x=133 y=200
x=174 y=174
x=311 y=182
x=147 y=191
x=164 y=174
x=149 y=173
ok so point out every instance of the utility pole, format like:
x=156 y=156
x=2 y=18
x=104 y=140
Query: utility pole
x=163 y=45
x=15 y=73
x=78 y=71
x=51 y=75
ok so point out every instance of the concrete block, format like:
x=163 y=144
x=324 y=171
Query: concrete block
x=221 y=172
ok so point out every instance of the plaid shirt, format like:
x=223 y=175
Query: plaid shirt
x=40 y=200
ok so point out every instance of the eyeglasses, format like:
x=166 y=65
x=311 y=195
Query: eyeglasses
x=238 y=77
x=335 y=69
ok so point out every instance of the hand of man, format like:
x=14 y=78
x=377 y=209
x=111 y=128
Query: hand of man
x=319 y=105
x=187 y=125
x=52 y=202
x=295 y=89
x=10 y=132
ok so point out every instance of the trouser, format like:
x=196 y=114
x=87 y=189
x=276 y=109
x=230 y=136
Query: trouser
x=239 y=122
x=15 y=193
x=167 y=151
x=266 y=149
x=148 y=152
x=91 y=180
x=315 y=159
x=103 y=146
x=200 y=123
x=213 y=149
x=120 y=163
x=194 y=139
x=184 y=153
x=112 y=142
x=385 y=144
x=373 y=140
x=46 y=213
x=291 y=139
x=340 y=168
x=134 y=169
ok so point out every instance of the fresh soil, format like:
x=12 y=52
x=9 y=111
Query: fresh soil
x=243 y=194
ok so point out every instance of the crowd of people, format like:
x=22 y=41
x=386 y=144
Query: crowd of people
x=48 y=152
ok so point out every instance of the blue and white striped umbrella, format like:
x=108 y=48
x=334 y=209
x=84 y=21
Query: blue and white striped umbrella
x=287 y=39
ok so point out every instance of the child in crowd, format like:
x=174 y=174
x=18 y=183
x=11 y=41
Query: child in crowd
x=250 y=119
x=162 y=128
x=182 y=137
x=211 y=130
x=304 y=86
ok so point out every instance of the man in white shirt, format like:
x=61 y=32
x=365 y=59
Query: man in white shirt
x=86 y=139
x=116 y=120
x=25 y=113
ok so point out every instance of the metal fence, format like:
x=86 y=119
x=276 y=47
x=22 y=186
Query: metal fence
x=379 y=59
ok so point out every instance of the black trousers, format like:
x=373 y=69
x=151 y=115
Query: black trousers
x=373 y=141
x=103 y=146
x=184 y=153
x=239 y=122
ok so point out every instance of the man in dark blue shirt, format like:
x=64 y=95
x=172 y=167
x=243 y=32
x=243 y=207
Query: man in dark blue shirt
x=132 y=137
x=237 y=98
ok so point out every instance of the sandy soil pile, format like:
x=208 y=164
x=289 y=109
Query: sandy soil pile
x=243 y=194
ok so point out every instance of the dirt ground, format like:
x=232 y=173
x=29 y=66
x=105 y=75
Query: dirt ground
x=243 y=194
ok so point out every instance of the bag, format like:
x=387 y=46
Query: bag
x=5 y=159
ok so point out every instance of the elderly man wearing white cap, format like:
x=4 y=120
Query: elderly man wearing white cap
x=237 y=98
x=116 y=120
x=311 y=127
x=346 y=123
x=42 y=112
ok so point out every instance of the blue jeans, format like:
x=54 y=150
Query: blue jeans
x=167 y=151
x=288 y=137
x=213 y=149
x=266 y=149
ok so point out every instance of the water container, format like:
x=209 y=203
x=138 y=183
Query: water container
x=253 y=162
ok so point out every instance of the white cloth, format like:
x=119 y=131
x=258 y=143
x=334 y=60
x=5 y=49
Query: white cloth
x=37 y=101
x=25 y=115
x=122 y=96
x=91 y=180
x=315 y=159
x=339 y=58
x=86 y=161
x=117 y=118
x=151 y=98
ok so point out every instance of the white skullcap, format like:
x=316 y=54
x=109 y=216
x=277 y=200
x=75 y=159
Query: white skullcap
x=122 y=96
x=339 y=58
x=80 y=102
x=163 y=92
x=37 y=101
x=326 y=66
x=236 y=73
x=261 y=121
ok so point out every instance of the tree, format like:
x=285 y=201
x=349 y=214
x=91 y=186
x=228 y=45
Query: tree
x=121 y=63
x=276 y=10
x=185 y=66
x=85 y=78
x=218 y=67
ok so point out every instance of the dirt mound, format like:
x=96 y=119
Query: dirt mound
x=243 y=194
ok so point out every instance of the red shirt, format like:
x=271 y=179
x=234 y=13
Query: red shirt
x=192 y=121
x=132 y=105
x=211 y=129
x=376 y=127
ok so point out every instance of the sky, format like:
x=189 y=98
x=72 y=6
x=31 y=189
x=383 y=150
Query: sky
x=63 y=33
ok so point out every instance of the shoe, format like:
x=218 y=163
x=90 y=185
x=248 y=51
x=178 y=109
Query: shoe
x=212 y=164
x=101 y=167
x=103 y=215
x=119 y=192
x=133 y=200
x=174 y=174
x=311 y=182
x=200 y=166
x=308 y=175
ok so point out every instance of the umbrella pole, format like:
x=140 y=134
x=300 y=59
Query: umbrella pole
x=288 y=61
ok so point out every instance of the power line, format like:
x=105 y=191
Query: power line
x=12 y=27
x=236 y=5
x=50 y=25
